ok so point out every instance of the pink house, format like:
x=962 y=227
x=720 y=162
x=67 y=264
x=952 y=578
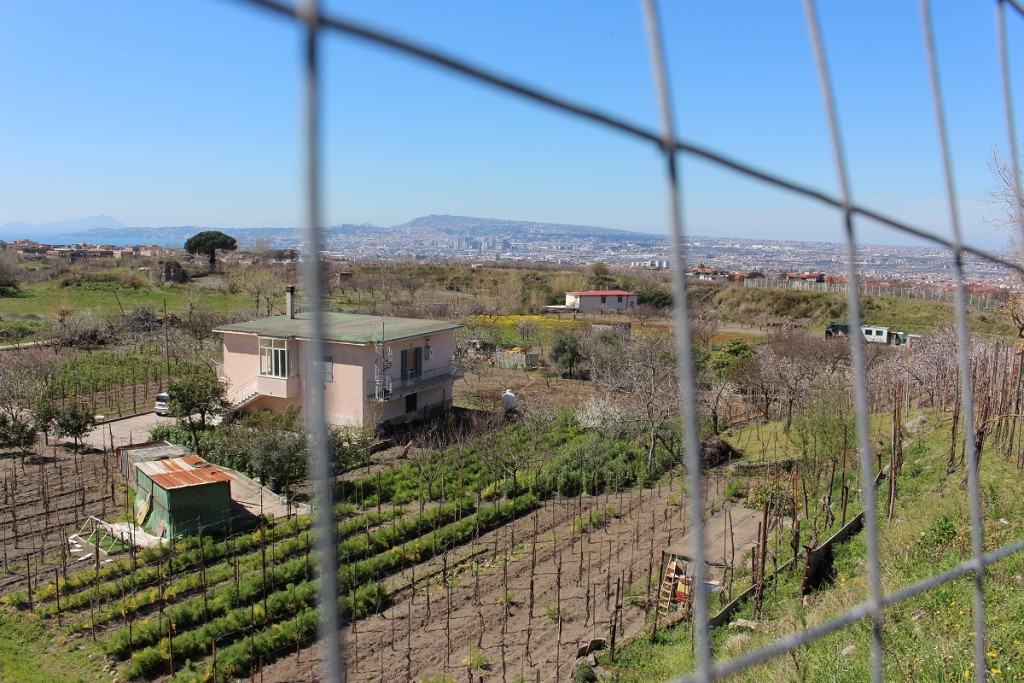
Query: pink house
x=376 y=369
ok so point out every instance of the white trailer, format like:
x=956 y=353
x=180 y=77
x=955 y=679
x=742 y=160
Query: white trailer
x=883 y=335
x=875 y=334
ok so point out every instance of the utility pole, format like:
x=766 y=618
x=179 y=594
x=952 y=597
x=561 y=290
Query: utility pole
x=167 y=348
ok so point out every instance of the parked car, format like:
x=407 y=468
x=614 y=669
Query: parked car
x=162 y=404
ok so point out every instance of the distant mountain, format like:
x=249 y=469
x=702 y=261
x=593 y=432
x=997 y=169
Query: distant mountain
x=396 y=239
x=49 y=231
x=175 y=235
x=460 y=223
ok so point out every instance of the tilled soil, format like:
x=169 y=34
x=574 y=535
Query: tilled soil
x=45 y=497
x=563 y=587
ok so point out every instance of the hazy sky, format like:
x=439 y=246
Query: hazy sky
x=171 y=113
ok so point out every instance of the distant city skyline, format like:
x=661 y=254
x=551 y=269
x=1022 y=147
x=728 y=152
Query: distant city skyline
x=483 y=241
x=189 y=114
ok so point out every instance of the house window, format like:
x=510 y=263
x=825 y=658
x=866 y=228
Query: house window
x=620 y=299
x=412 y=363
x=604 y=299
x=328 y=368
x=274 y=360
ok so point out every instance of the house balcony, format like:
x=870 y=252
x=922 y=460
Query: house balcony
x=278 y=387
x=395 y=387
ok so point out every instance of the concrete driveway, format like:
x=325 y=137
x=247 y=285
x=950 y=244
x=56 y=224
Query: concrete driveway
x=125 y=432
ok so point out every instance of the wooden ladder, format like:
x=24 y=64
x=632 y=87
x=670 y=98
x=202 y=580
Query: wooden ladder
x=668 y=584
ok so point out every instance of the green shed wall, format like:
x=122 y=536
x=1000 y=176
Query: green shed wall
x=180 y=511
x=206 y=504
x=159 y=514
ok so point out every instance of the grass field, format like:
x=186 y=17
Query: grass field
x=43 y=298
x=30 y=654
x=751 y=305
x=928 y=638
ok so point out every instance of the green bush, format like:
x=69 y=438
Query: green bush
x=735 y=490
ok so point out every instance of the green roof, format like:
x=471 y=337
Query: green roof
x=346 y=328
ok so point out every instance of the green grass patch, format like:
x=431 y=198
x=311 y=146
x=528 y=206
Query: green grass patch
x=29 y=653
x=597 y=519
x=96 y=292
x=753 y=305
x=927 y=638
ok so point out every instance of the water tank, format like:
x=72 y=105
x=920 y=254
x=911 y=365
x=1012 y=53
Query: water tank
x=509 y=400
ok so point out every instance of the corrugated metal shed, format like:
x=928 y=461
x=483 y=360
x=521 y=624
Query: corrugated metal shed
x=345 y=328
x=188 y=470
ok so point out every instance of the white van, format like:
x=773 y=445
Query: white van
x=162 y=404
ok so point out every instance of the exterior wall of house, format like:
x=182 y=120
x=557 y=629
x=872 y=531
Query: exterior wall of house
x=395 y=409
x=346 y=395
x=241 y=363
x=443 y=348
x=273 y=403
x=875 y=335
x=593 y=304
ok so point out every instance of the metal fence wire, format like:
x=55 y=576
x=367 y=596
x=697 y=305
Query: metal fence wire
x=672 y=147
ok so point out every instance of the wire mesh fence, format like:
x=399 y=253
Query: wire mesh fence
x=672 y=148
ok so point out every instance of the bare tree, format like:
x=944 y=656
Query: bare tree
x=527 y=330
x=640 y=372
x=795 y=363
x=259 y=249
x=20 y=381
x=1004 y=198
x=262 y=285
x=429 y=453
x=703 y=328
x=1014 y=308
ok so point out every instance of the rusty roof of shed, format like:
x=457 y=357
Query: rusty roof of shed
x=188 y=470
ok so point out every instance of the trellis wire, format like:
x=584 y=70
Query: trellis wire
x=670 y=145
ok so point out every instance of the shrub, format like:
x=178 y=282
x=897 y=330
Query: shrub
x=476 y=659
x=735 y=490
x=595 y=520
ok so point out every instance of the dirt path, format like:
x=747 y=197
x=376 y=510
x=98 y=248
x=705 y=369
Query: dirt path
x=483 y=385
x=125 y=432
x=548 y=568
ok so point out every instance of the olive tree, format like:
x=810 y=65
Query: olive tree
x=17 y=433
x=9 y=275
x=569 y=354
x=193 y=398
x=74 y=420
x=722 y=375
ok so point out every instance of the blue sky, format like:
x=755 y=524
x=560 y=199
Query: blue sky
x=188 y=113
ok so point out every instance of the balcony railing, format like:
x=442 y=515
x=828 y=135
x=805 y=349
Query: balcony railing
x=398 y=387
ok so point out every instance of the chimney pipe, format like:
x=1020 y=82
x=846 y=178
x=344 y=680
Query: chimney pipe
x=289 y=292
